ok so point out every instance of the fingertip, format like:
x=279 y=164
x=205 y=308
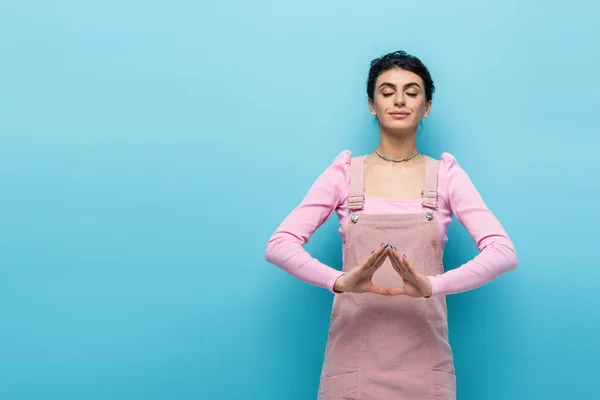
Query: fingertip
x=380 y=290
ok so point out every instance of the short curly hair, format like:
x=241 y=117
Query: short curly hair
x=403 y=60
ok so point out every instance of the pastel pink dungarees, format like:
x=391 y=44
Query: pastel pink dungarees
x=389 y=347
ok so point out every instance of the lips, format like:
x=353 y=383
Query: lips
x=403 y=113
x=399 y=114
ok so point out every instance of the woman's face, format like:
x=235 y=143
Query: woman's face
x=399 y=101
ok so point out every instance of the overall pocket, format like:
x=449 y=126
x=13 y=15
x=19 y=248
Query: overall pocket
x=339 y=387
x=444 y=385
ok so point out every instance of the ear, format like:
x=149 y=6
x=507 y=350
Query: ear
x=372 y=108
x=427 y=109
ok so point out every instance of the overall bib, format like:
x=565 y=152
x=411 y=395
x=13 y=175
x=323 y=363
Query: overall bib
x=389 y=347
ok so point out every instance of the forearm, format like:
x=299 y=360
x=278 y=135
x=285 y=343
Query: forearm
x=495 y=260
x=290 y=256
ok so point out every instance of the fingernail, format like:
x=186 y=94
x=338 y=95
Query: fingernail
x=404 y=254
x=387 y=245
x=395 y=249
x=373 y=252
x=381 y=244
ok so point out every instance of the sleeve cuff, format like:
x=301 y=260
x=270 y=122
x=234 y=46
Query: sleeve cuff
x=435 y=288
x=332 y=280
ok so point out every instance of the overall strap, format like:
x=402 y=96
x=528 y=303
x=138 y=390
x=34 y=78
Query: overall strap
x=356 y=198
x=429 y=193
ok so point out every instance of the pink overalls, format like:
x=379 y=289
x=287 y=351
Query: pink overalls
x=389 y=347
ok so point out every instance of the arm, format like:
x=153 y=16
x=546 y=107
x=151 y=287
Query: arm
x=497 y=253
x=285 y=249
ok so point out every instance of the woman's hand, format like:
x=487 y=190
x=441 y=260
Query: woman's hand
x=359 y=279
x=415 y=283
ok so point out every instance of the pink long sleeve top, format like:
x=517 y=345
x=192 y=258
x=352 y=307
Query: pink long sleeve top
x=456 y=196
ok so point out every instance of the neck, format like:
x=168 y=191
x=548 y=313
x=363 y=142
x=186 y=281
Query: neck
x=397 y=147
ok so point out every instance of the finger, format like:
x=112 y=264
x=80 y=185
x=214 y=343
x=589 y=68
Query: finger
x=373 y=256
x=382 y=253
x=395 y=255
x=379 y=290
x=378 y=251
x=399 y=265
x=395 y=261
x=410 y=267
x=379 y=261
x=406 y=276
x=396 y=291
x=404 y=264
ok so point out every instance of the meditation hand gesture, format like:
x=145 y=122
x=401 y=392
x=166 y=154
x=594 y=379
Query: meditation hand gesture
x=359 y=279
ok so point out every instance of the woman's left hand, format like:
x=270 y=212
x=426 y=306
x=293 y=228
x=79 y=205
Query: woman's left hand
x=415 y=283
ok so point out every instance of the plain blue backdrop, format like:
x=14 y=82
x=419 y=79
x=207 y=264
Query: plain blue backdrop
x=148 y=150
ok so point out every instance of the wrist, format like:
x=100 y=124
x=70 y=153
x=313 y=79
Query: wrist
x=338 y=284
x=429 y=289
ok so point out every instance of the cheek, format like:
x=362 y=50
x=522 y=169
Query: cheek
x=419 y=104
x=379 y=105
x=383 y=103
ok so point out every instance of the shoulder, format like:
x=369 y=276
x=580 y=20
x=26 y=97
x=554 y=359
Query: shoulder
x=450 y=175
x=448 y=166
x=343 y=159
x=448 y=161
x=337 y=173
x=339 y=167
x=343 y=162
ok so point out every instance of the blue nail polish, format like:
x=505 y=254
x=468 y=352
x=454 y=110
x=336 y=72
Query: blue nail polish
x=387 y=245
x=373 y=252
x=381 y=244
x=404 y=254
x=395 y=249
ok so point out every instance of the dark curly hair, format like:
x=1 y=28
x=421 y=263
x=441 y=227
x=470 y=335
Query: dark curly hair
x=403 y=60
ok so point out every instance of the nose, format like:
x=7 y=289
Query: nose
x=399 y=99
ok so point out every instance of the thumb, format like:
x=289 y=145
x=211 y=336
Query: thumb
x=379 y=290
x=396 y=291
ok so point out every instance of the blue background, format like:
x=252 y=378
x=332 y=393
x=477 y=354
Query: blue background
x=148 y=150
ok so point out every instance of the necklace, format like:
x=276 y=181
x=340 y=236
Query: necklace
x=391 y=159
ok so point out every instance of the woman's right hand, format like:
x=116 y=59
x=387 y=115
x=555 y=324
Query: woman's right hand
x=359 y=279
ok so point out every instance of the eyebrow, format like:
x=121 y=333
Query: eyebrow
x=405 y=86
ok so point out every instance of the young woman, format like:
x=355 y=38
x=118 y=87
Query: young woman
x=388 y=335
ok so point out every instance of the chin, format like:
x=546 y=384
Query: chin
x=401 y=127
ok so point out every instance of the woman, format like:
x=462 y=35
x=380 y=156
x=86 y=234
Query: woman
x=388 y=335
